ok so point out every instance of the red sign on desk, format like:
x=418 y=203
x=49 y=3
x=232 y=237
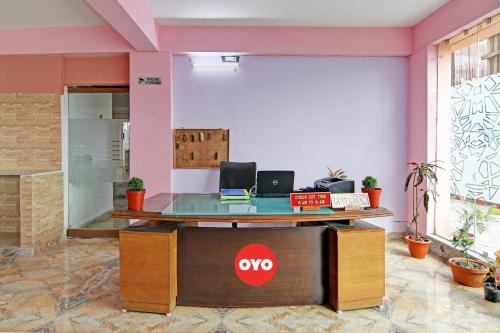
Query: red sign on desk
x=308 y=199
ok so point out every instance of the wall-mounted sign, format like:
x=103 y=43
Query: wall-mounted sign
x=307 y=199
x=149 y=80
x=342 y=200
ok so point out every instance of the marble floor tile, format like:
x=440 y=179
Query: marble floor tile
x=74 y=287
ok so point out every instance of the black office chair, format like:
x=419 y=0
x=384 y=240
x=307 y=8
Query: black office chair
x=237 y=175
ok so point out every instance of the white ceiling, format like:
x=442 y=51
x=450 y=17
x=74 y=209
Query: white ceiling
x=47 y=13
x=379 y=13
x=54 y=13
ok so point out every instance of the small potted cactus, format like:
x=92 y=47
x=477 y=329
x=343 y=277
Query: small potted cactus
x=374 y=192
x=135 y=193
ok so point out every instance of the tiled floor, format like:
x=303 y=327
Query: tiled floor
x=74 y=288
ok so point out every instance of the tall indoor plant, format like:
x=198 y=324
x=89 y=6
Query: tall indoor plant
x=422 y=180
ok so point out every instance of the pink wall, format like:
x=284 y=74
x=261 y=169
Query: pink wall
x=453 y=16
x=98 y=39
x=151 y=121
x=50 y=73
x=422 y=85
x=29 y=73
x=107 y=69
x=289 y=41
x=417 y=121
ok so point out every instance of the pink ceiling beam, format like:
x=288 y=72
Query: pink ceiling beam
x=131 y=19
x=96 y=39
x=327 y=41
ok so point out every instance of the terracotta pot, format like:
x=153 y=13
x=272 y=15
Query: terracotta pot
x=373 y=195
x=466 y=276
x=135 y=200
x=418 y=249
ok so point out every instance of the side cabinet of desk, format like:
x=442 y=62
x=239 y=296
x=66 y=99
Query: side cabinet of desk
x=356 y=255
x=148 y=269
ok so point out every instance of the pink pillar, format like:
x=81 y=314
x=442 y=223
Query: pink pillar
x=421 y=118
x=151 y=121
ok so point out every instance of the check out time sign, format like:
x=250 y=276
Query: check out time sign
x=255 y=264
x=310 y=199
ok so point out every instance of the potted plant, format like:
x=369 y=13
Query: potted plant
x=422 y=179
x=135 y=193
x=466 y=271
x=492 y=283
x=336 y=173
x=468 y=216
x=374 y=192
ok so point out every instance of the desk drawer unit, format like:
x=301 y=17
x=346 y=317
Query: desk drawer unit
x=356 y=266
x=148 y=271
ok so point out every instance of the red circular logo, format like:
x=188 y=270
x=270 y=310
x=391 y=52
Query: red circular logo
x=255 y=264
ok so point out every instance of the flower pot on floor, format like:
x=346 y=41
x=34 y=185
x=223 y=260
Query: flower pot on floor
x=373 y=195
x=491 y=292
x=418 y=249
x=135 y=200
x=468 y=276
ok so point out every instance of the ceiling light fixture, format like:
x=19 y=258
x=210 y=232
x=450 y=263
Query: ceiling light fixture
x=230 y=59
x=214 y=60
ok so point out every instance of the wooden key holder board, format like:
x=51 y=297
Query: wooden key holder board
x=200 y=147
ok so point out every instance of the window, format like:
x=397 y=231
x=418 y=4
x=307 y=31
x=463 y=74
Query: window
x=468 y=135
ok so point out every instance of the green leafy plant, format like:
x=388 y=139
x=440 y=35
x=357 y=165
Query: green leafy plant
x=462 y=241
x=135 y=184
x=494 y=211
x=337 y=173
x=469 y=215
x=370 y=182
x=422 y=179
x=462 y=238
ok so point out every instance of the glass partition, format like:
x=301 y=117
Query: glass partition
x=97 y=158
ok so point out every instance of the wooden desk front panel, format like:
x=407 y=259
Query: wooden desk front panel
x=148 y=271
x=207 y=277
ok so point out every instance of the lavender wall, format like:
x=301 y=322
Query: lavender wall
x=352 y=110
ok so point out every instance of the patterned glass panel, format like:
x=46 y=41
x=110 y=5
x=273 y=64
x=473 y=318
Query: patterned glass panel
x=475 y=148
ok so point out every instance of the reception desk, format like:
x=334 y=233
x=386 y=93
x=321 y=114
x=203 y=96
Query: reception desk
x=166 y=259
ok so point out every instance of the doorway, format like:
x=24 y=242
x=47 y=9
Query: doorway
x=98 y=158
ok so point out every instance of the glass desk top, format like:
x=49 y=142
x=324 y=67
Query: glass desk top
x=210 y=204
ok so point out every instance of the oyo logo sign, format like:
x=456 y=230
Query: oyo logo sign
x=255 y=264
